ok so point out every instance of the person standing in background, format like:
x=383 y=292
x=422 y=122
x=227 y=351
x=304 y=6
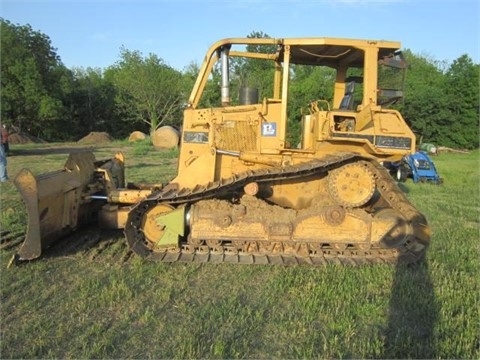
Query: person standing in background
x=3 y=161
x=6 y=147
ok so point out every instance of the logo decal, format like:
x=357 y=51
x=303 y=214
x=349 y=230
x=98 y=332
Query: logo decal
x=269 y=129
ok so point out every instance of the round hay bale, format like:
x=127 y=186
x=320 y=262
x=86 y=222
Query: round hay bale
x=137 y=135
x=95 y=138
x=166 y=137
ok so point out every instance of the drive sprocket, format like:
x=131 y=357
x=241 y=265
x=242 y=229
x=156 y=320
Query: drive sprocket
x=352 y=185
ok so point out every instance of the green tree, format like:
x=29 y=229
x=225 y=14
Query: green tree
x=211 y=95
x=308 y=83
x=462 y=89
x=253 y=73
x=90 y=98
x=189 y=74
x=442 y=106
x=31 y=78
x=259 y=73
x=148 y=90
x=424 y=106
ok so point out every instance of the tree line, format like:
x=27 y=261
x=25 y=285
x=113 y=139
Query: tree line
x=43 y=97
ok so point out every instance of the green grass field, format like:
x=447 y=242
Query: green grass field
x=101 y=303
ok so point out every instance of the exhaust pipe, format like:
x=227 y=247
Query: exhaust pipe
x=225 y=76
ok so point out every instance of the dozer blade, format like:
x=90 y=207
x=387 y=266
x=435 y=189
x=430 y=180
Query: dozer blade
x=58 y=202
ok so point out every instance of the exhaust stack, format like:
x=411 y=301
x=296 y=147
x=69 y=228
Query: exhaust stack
x=225 y=91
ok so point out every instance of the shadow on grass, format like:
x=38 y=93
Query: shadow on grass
x=403 y=187
x=142 y=165
x=413 y=313
x=50 y=150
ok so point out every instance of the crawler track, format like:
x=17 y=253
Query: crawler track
x=411 y=250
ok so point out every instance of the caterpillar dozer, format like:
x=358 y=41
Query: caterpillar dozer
x=242 y=192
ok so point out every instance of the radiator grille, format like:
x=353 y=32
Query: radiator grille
x=236 y=136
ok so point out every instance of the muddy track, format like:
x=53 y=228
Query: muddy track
x=411 y=250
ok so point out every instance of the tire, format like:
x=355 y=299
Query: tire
x=402 y=174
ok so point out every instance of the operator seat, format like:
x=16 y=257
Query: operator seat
x=346 y=123
x=347 y=101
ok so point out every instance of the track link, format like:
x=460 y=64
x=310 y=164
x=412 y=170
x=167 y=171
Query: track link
x=411 y=250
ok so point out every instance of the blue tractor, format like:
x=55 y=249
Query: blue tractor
x=418 y=166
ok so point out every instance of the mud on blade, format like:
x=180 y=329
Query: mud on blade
x=58 y=202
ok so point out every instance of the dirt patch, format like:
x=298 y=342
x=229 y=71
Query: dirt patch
x=95 y=138
x=23 y=138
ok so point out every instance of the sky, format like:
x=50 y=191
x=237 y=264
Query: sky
x=90 y=33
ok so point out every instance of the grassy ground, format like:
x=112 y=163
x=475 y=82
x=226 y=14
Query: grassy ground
x=89 y=303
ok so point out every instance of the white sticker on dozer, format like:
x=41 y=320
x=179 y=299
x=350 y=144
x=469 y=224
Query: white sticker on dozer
x=269 y=129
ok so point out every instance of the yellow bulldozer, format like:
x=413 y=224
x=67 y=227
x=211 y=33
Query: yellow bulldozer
x=242 y=193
